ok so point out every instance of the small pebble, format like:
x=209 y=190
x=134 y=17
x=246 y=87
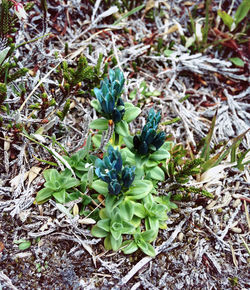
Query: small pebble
x=236 y=203
x=236 y=230
x=180 y=236
x=211 y=204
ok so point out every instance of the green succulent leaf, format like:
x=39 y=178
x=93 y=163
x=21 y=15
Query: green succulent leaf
x=152 y=223
x=148 y=236
x=43 y=195
x=128 y=140
x=100 y=186
x=157 y=173
x=104 y=214
x=121 y=128
x=126 y=210
x=99 y=124
x=130 y=248
x=97 y=140
x=104 y=224
x=60 y=196
x=116 y=230
x=146 y=248
x=128 y=156
x=128 y=228
x=107 y=243
x=70 y=182
x=116 y=244
x=53 y=185
x=139 y=210
x=111 y=202
x=51 y=174
x=242 y=11
x=136 y=221
x=165 y=200
x=139 y=189
x=98 y=232
x=151 y=163
x=131 y=113
x=96 y=105
x=161 y=154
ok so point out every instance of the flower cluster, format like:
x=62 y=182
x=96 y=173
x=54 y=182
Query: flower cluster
x=150 y=140
x=112 y=106
x=110 y=170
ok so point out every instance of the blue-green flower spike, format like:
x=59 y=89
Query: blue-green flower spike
x=112 y=106
x=149 y=140
x=110 y=170
x=128 y=176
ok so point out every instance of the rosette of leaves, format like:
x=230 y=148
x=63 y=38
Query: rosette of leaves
x=112 y=226
x=108 y=96
x=141 y=241
x=149 y=140
x=81 y=161
x=110 y=171
x=57 y=185
x=154 y=214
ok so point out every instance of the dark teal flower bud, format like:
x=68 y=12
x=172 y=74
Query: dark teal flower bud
x=114 y=187
x=159 y=140
x=149 y=140
x=112 y=106
x=115 y=158
x=110 y=171
x=128 y=176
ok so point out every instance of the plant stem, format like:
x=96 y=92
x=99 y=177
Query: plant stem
x=206 y=28
x=116 y=138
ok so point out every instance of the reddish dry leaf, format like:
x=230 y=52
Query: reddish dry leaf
x=1 y=246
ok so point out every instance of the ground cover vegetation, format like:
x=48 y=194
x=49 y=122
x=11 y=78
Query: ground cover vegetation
x=127 y=124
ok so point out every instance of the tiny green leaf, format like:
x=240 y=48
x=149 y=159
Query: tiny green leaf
x=148 y=236
x=237 y=61
x=168 y=52
x=24 y=245
x=107 y=243
x=227 y=19
x=125 y=15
